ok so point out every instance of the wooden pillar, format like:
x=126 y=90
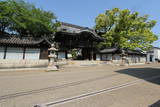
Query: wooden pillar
x=5 y=51
x=92 y=50
x=113 y=57
x=100 y=56
x=122 y=60
x=24 y=51
x=66 y=54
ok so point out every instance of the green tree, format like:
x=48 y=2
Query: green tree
x=5 y=16
x=25 y=19
x=124 y=29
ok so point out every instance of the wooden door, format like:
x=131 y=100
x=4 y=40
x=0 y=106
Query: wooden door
x=44 y=53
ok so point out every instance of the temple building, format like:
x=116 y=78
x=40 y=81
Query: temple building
x=74 y=39
x=72 y=42
x=122 y=56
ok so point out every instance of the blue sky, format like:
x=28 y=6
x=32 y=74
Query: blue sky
x=83 y=12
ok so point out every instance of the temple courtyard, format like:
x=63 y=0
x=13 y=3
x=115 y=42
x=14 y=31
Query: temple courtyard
x=87 y=86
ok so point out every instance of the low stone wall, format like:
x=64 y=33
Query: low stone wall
x=77 y=63
x=23 y=63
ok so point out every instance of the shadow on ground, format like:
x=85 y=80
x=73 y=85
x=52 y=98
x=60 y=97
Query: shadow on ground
x=143 y=73
x=156 y=104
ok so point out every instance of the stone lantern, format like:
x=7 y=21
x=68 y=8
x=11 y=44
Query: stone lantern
x=124 y=57
x=52 y=58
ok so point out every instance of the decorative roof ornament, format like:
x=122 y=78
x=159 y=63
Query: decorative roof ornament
x=52 y=48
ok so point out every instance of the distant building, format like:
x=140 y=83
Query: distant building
x=120 y=56
x=153 y=54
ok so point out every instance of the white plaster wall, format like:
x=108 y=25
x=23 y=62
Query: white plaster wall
x=117 y=59
x=61 y=55
x=14 y=53
x=32 y=53
x=133 y=59
x=148 y=57
x=109 y=57
x=158 y=52
x=155 y=52
x=104 y=58
x=129 y=58
x=98 y=57
x=143 y=59
x=137 y=59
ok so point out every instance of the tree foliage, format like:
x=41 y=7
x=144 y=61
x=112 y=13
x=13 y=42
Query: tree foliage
x=124 y=29
x=25 y=19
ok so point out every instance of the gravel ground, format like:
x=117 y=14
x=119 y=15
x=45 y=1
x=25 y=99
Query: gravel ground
x=27 y=88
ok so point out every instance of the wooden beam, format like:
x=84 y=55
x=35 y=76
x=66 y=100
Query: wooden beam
x=100 y=56
x=24 y=51
x=66 y=54
x=92 y=50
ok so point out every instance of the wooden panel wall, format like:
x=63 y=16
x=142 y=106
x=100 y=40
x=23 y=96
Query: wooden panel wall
x=44 y=53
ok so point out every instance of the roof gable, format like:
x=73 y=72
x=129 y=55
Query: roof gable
x=75 y=29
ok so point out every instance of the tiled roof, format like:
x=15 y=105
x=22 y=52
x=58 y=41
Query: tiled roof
x=134 y=52
x=75 y=26
x=82 y=29
x=109 y=50
x=13 y=39
x=118 y=50
x=156 y=47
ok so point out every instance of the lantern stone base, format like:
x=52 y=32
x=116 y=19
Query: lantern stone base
x=52 y=68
